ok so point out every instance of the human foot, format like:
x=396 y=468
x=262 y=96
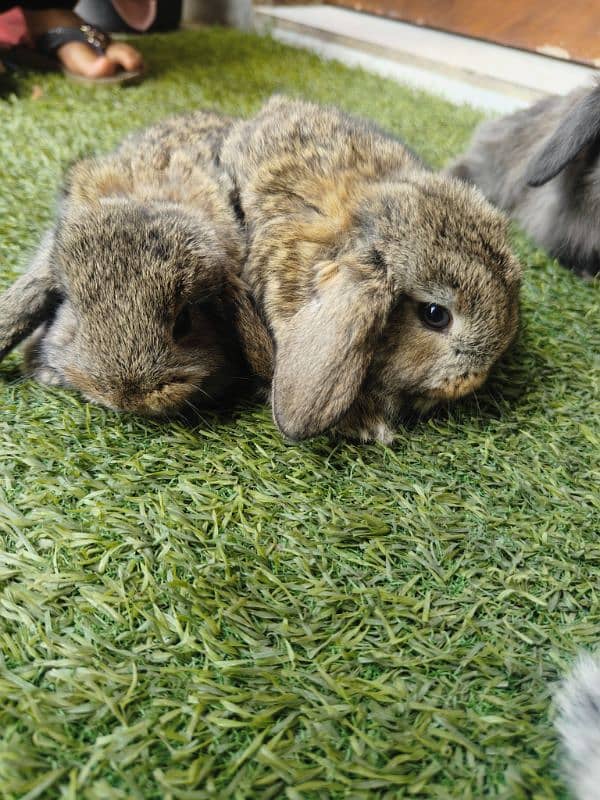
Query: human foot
x=80 y=58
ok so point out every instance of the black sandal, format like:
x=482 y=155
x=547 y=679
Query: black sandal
x=48 y=43
x=22 y=57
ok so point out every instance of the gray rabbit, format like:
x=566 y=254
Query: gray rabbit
x=542 y=166
x=134 y=295
x=578 y=723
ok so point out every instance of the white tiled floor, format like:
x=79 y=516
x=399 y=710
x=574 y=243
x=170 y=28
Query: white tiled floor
x=463 y=70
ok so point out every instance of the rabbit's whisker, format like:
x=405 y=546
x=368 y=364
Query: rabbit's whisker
x=197 y=388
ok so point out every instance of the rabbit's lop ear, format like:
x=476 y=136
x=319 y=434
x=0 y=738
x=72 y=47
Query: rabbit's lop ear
x=324 y=350
x=580 y=127
x=30 y=300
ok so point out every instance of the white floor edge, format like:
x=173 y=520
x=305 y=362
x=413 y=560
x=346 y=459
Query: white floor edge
x=464 y=71
x=458 y=92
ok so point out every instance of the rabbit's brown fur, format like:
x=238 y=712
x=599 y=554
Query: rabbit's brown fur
x=139 y=281
x=348 y=235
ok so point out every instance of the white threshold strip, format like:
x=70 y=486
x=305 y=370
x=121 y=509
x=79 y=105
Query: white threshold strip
x=464 y=71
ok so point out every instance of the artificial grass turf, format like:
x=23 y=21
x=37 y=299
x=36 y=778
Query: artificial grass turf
x=210 y=612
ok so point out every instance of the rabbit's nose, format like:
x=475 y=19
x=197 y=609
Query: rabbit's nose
x=130 y=388
x=126 y=388
x=129 y=395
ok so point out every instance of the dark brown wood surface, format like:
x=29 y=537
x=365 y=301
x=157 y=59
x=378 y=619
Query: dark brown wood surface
x=563 y=28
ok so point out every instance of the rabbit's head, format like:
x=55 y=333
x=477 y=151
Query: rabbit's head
x=412 y=300
x=135 y=300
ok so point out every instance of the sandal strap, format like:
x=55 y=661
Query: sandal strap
x=49 y=42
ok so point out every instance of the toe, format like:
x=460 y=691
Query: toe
x=80 y=59
x=125 y=56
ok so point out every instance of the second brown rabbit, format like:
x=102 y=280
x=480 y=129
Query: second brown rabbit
x=135 y=293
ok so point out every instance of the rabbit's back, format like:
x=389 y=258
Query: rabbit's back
x=177 y=160
x=293 y=151
x=197 y=136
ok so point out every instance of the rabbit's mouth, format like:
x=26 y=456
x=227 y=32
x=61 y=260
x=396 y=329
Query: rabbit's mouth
x=450 y=389
x=458 y=387
x=427 y=398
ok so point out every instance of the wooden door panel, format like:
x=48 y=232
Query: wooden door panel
x=569 y=30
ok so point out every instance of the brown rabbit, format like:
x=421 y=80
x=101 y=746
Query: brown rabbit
x=385 y=286
x=136 y=290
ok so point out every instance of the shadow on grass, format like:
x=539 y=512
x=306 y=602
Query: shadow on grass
x=10 y=373
x=506 y=391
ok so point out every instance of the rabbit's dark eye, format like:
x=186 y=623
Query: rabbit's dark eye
x=183 y=324
x=434 y=316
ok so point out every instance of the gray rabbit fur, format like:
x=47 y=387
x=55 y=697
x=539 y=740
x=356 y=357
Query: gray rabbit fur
x=578 y=724
x=385 y=287
x=134 y=296
x=542 y=166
